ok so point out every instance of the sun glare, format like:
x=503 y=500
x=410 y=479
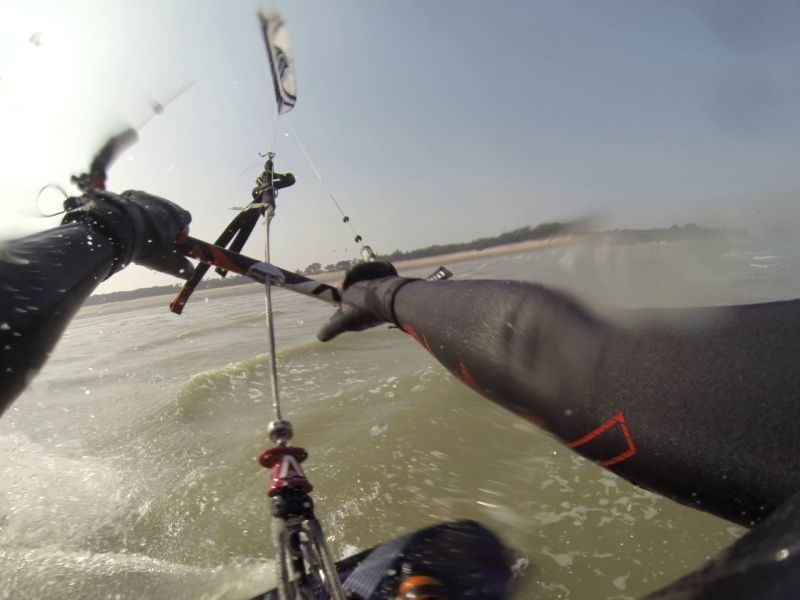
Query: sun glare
x=36 y=69
x=38 y=55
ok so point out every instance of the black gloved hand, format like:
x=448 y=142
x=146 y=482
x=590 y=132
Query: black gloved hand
x=368 y=292
x=142 y=228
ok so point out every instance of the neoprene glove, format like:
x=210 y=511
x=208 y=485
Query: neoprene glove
x=368 y=292
x=141 y=227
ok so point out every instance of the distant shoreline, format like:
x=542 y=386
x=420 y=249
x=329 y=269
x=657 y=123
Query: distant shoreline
x=455 y=257
x=112 y=306
x=686 y=233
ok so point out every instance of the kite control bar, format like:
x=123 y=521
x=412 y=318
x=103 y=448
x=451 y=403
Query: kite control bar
x=263 y=272
x=260 y=271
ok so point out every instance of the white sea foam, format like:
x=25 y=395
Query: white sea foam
x=56 y=496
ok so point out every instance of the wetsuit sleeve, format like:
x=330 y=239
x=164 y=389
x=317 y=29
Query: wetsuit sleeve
x=700 y=405
x=44 y=279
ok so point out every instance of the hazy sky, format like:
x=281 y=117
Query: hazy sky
x=432 y=121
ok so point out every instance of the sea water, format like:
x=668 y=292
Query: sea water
x=127 y=468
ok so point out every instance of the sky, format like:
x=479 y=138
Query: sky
x=430 y=122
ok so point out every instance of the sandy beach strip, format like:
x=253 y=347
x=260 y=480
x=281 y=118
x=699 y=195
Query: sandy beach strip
x=445 y=259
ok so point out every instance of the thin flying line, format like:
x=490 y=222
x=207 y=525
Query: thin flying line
x=319 y=176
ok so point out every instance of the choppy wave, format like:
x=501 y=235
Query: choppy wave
x=208 y=385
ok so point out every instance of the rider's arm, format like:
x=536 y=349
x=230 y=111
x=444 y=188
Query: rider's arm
x=44 y=278
x=701 y=405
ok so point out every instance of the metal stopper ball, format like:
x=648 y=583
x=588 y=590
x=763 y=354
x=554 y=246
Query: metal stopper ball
x=280 y=431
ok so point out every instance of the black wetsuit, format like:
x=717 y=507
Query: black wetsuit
x=701 y=405
x=44 y=279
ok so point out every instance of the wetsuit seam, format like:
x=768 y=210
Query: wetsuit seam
x=391 y=295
